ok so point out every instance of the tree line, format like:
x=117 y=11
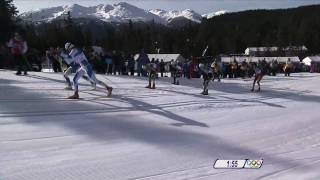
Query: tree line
x=224 y=34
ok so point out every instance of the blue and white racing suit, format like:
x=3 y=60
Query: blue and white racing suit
x=71 y=69
x=78 y=61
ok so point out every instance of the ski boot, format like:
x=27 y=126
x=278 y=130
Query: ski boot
x=153 y=86
x=75 y=96
x=109 y=89
x=94 y=86
x=68 y=88
x=205 y=93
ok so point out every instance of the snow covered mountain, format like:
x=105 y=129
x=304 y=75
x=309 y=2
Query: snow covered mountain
x=170 y=15
x=211 y=15
x=120 y=12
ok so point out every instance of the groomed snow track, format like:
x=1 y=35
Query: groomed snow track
x=171 y=133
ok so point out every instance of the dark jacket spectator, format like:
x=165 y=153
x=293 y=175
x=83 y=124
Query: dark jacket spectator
x=142 y=60
x=131 y=64
x=50 y=54
x=18 y=49
x=162 y=67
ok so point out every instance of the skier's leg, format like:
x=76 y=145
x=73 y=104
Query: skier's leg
x=178 y=79
x=254 y=83
x=93 y=79
x=80 y=72
x=153 y=78
x=206 y=87
x=258 y=82
x=18 y=62
x=24 y=65
x=150 y=79
x=203 y=85
x=66 y=76
x=93 y=84
x=214 y=76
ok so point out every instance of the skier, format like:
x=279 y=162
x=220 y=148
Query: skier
x=175 y=72
x=216 y=71
x=207 y=76
x=259 y=73
x=18 y=49
x=151 y=68
x=234 y=69
x=288 y=67
x=78 y=61
x=274 y=67
x=72 y=68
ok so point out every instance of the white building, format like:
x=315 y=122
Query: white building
x=276 y=51
x=311 y=60
x=255 y=50
x=164 y=57
x=239 y=59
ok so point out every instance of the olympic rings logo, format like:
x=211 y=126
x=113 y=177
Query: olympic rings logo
x=254 y=163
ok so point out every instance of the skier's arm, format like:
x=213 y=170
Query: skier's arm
x=68 y=59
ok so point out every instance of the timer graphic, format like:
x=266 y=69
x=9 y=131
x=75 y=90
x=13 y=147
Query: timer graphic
x=238 y=164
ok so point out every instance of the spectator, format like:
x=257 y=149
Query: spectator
x=50 y=54
x=162 y=69
x=142 y=60
x=274 y=67
x=131 y=64
x=18 y=49
x=185 y=68
x=234 y=69
x=244 y=69
x=123 y=64
x=108 y=62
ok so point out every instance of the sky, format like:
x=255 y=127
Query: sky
x=200 y=6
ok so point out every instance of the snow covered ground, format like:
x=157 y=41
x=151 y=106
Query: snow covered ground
x=169 y=133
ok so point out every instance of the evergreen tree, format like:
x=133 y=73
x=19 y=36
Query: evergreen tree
x=7 y=19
